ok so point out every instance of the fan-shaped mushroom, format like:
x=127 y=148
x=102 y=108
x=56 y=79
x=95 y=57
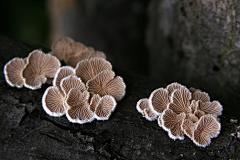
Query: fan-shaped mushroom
x=53 y=102
x=62 y=72
x=73 y=48
x=188 y=127
x=213 y=107
x=206 y=128
x=39 y=67
x=173 y=86
x=143 y=107
x=59 y=45
x=13 y=72
x=89 y=68
x=105 y=83
x=199 y=95
x=94 y=102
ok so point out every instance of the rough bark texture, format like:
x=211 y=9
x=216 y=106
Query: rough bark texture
x=27 y=132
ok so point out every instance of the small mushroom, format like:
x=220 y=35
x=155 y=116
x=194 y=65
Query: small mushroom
x=87 y=69
x=105 y=83
x=53 y=102
x=105 y=107
x=180 y=101
x=173 y=86
x=206 y=128
x=149 y=114
x=13 y=72
x=59 y=45
x=78 y=107
x=70 y=82
x=144 y=109
x=73 y=48
x=213 y=107
x=199 y=95
x=39 y=67
x=172 y=122
x=94 y=102
x=62 y=72
x=188 y=127
x=159 y=100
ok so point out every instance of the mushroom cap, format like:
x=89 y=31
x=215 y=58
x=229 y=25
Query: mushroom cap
x=192 y=117
x=142 y=104
x=202 y=96
x=171 y=122
x=39 y=67
x=53 y=102
x=73 y=48
x=180 y=101
x=188 y=127
x=199 y=113
x=194 y=106
x=87 y=69
x=70 y=82
x=13 y=72
x=78 y=107
x=105 y=107
x=105 y=84
x=59 y=45
x=173 y=86
x=213 y=107
x=159 y=100
x=149 y=114
x=100 y=55
x=62 y=72
x=206 y=128
x=94 y=102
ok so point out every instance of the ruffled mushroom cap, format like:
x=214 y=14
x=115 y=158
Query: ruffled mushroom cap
x=105 y=83
x=213 y=107
x=105 y=107
x=180 y=101
x=70 y=82
x=192 y=117
x=73 y=48
x=199 y=113
x=172 y=122
x=159 y=100
x=53 y=102
x=94 y=102
x=206 y=128
x=89 y=68
x=173 y=86
x=13 y=72
x=188 y=127
x=78 y=107
x=39 y=67
x=62 y=72
x=194 y=106
x=202 y=96
x=59 y=45
x=143 y=107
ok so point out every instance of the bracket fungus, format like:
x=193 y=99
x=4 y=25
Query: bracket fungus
x=144 y=108
x=181 y=111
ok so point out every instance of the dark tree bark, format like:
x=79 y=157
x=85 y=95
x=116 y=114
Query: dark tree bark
x=27 y=132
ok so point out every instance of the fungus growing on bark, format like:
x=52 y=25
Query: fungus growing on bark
x=88 y=69
x=206 y=128
x=39 y=67
x=53 y=102
x=105 y=83
x=13 y=72
x=59 y=45
x=144 y=108
x=61 y=73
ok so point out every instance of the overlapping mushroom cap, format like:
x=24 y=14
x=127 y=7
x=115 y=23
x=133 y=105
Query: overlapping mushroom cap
x=183 y=111
x=59 y=46
x=144 y=108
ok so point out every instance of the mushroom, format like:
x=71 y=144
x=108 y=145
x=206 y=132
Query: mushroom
x=53 y=102
x=159 y=100
x=194 y=106
x=213 y=107
x=73 y=48
x=188 y=127
x=160 y=120
x=13 y=72
x=180 y=101
x=173 y=86
x=143 y=107
x=62 y=72
x=171 y=122
x=105 y=83
x=199 y=113
x=78 y=107
x=206 y=128
x=70 y=82
x=105 y=107
x=87 y=69
x=202 y=96
x=94 y=102
x=59 y=45
x=39 y=67
x=192 y=117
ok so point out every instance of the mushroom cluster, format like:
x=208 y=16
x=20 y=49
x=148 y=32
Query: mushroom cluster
x=72 y=52
x=32 y=71
x=181 y=111
x=84 y=93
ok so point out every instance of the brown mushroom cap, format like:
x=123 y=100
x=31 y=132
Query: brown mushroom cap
x=149 y=114
x=73 y=48
x=13 y=72
x=213 y=107
x=53 y=102
x=39 y=67
x=105 y=84
x=78 y=107
x=59 y=45
x=192 y=117
x=188 y=127
x=94 y=102
x=202 y=96
x=105 y=107
x=171 y=122
x=89 y=68
x=70 y=82
x=180 y=101
x=206 y=128
x=199 y=113
x=143 y=107
x=159 y=100
x=99 y=54
x=194 y=106
x=173 y=86
x=62 y=72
